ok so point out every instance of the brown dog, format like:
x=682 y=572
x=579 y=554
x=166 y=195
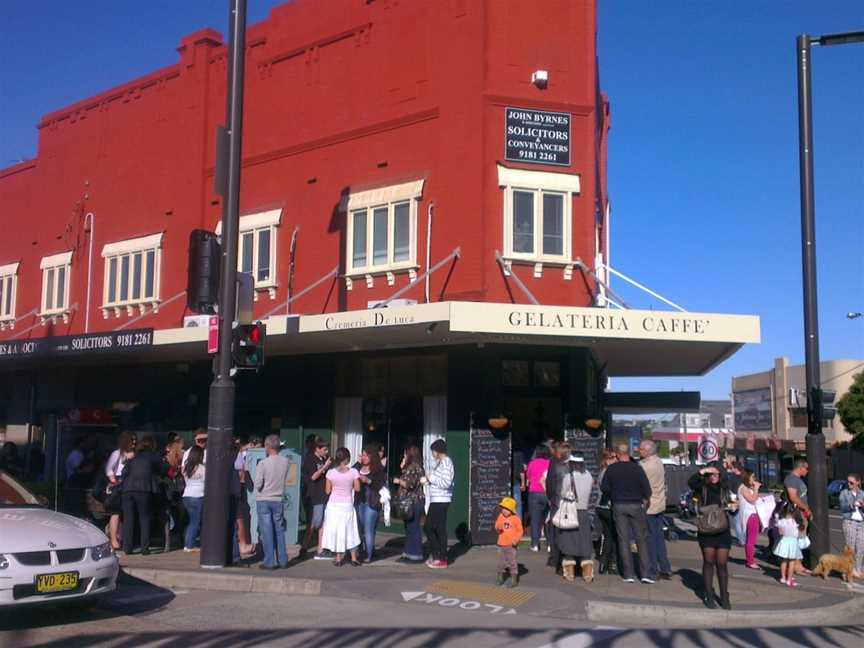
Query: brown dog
x=833 y=562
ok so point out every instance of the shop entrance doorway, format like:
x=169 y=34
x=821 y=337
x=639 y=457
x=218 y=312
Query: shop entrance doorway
x=533 y=421
x=394 y=422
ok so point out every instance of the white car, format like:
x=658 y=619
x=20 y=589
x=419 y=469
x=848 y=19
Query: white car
x=47 y=556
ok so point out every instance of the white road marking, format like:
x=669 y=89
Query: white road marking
x=469 y=606
x=586 y=638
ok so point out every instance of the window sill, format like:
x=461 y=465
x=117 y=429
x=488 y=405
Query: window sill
x=52 y=316
x=269 y=288
x=389 y=273
x=130 y=308
x=539 y=264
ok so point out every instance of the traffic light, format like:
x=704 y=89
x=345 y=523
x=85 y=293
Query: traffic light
x=247 y=346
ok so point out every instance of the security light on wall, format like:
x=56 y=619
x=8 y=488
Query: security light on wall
x=540 y=78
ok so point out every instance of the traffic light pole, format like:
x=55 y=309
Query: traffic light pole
x=817 y=491
x=217 y=531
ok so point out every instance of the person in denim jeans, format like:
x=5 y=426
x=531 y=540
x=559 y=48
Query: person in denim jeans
x=372 y=479
x=193 y=495
x=269 y=484
x=658 y=558
x=538 y=502
x=410 y=486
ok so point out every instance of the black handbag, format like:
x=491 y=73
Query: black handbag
x=402 y=507
x=712 y=519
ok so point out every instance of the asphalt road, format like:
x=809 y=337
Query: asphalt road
x=141 y=615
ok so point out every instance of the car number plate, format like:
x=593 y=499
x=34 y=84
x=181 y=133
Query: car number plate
x=59 y=582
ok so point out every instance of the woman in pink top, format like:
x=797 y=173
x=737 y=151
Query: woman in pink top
x=340 y=520
x=538 y=504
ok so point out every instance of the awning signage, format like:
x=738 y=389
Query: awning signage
x=71 y=345
x=537 y=136
x=603 y=323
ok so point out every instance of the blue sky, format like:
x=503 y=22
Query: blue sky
x=703 y=162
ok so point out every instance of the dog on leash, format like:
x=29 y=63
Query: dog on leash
x=833 y=562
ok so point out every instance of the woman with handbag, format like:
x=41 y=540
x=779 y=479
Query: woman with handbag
x=852 y=509
x=372 y=478
x=715 y=539
x=409 y=504
x=571 y=520
x=139 y=489
x=114 y=473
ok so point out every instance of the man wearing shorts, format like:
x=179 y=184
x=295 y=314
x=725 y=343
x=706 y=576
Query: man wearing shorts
x=315 y=466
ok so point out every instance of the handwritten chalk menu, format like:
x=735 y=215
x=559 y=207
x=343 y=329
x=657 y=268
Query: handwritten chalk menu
x=489 y=482
x=591 y=448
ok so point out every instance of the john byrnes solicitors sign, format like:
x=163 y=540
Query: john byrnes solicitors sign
x=537 y=136
x=73 y=345
x=603 y=323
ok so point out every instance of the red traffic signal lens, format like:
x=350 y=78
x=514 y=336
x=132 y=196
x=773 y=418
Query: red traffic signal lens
x=255 y=335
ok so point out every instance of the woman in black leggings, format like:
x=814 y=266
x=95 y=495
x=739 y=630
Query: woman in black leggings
x=711 y=488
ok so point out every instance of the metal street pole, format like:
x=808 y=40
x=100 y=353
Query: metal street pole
x=817 y=494
x=216 y=532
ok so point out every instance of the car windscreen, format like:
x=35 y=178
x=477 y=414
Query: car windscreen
x=12 y=493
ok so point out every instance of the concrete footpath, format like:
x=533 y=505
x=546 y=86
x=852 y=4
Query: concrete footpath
x=758 y=600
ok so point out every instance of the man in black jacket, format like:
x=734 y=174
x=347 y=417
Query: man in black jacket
x=630 y=492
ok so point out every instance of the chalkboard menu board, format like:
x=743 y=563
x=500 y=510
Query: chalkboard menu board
x=489 y=482
x=591 y=448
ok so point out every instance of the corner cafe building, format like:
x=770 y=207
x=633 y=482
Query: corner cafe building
x=427 y=229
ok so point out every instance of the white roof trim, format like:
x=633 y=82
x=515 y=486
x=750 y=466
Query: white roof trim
x=383 y=195
x=133 y=245
x=9 y=269
x=254 y=221
x=63 y=258
x=538 y=180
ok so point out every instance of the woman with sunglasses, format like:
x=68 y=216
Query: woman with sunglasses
x=852 y=508
x=711 y=489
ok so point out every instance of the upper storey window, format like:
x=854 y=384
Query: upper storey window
x=8 y=289
x=256 y=253
x=537 y=215
x=382 y=229
x=132 y=273
x=55 y=285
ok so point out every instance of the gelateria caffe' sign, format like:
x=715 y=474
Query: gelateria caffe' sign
x=602 y=323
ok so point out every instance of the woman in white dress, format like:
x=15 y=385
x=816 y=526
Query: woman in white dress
x=340 y=533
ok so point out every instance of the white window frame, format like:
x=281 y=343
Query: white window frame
x=538 y=183
x=8 y=286
x=55 y=262
x=255 y=223
x=130 y=248
x=389 y=197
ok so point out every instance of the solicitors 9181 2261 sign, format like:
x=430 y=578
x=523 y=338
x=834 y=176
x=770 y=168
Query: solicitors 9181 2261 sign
x=537 y=136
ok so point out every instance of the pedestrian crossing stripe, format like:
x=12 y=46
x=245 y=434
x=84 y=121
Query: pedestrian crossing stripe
x=483 y=593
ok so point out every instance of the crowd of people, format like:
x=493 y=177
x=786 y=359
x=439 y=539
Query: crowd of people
x=344 y=501
x=629 y=518
x=345 y=497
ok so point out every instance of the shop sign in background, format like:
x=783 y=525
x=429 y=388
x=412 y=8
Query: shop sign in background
x=537 y=136
x=292 y=492
x=752 y=409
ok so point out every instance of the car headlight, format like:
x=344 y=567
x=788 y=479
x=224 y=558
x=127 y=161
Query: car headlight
x=101 y=551
x=4 y=563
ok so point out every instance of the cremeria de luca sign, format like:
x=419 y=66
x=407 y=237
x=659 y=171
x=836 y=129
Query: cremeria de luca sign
x=69 y=345
x=537 y=136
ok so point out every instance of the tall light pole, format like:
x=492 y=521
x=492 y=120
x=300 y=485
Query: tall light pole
x=817 y=491
x=216 y=531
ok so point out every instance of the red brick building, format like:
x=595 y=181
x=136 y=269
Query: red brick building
x=384 y=138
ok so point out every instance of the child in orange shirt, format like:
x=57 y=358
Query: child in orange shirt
x=509 y=528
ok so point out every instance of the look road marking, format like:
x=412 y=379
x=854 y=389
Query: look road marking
x=453 y=602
